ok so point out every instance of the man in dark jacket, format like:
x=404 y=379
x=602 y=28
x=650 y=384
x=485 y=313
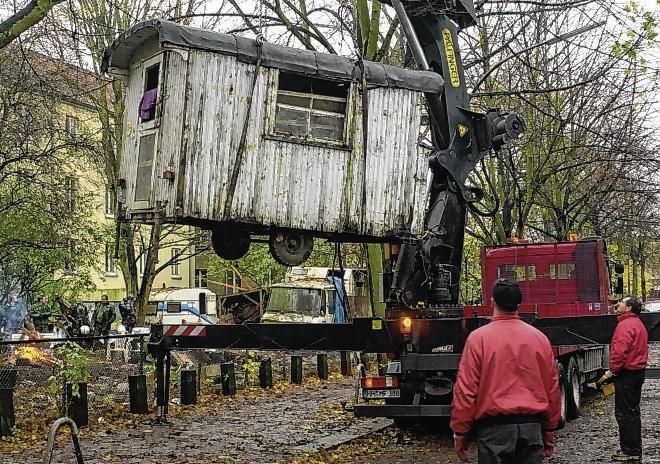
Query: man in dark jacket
x=507 y=389
x=629 y=355
x=127 y=312
x=104 y=316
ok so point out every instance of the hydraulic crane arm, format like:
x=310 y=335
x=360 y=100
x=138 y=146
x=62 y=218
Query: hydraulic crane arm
x=461 y=138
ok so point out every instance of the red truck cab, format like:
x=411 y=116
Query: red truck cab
x=566 y=279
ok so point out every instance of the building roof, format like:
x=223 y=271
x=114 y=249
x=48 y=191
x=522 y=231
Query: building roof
x=52 y=76
x=306 y=62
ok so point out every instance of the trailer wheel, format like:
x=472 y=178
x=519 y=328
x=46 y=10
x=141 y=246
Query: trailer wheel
x=290 y=248
x=573 y=397
x=562 y=390
x=230 y=245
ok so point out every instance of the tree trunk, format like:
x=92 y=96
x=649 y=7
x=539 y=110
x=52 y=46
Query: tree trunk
x=142 y=297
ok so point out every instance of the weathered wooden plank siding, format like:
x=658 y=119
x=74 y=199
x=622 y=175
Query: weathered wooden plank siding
x=130 y=142
x=170 y=131
x=393 y=159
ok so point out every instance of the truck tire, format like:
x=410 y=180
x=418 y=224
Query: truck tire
x=290 y=248
x=573 y=389
x=230 y=245
x=562 y=390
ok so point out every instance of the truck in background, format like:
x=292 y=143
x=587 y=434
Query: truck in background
x=318 y=295
x=182 y=306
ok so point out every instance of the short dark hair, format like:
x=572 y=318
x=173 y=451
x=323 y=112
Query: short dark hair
x=507 y=294
x=634 y=304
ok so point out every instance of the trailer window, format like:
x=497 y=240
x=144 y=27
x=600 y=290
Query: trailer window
x=562 y=271
x=309 y=109
x=147 y=109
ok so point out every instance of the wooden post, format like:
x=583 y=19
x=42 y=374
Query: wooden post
x=228 y=375
x=188 y=386
x=346 y=369
x=266 y=373
x=77 y=407
x=137 y=394
x=296 y=369
x=322 y=365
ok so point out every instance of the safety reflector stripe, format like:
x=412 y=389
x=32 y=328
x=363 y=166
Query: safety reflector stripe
x=184 y=330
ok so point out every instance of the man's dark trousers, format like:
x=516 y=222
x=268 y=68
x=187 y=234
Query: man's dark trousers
x=510 y=443
x=628 y=393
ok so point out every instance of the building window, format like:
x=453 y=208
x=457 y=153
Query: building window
x=201 y=278
x=309 y=109
x=70 y=192
x=141 y=259
x=72 y=125
x=109 y=260
x=176 y=267
x=109 y=204
x=69 y=266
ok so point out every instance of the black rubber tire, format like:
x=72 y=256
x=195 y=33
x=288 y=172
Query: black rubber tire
x=562 y=389
x=573 y=389
x=290 y=248
x=230 y=245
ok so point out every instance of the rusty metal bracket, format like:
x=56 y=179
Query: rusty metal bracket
x=48 y=454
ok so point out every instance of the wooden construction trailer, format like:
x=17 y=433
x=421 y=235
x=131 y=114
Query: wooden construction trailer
x=242 y=138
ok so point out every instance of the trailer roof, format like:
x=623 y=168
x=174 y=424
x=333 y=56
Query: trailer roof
x=305 y=62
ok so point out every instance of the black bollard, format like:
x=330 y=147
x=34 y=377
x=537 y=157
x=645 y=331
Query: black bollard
x=228 y=378
x=346 y=369
x=382 y=364
x=137 y=394
x=266 y=373
x=7 y=415
x=188 y=386
x=296 y=369
x=322 y=365
x=364 y=360
x=8 y=379
x=77 y=406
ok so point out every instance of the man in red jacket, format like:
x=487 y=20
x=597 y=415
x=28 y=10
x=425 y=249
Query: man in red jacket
x=629 y=355
x=507 y=390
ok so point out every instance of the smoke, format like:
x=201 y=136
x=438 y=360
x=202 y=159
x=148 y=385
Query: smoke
x=12 y=315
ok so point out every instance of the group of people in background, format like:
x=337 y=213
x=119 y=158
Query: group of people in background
x=74 y=319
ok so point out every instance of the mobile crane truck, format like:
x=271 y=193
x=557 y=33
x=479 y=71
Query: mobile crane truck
x=566 y=285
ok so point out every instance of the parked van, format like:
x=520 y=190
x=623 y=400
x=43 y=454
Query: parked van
x=183 y=306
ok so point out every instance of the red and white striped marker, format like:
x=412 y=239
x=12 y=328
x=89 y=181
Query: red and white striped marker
x=184 y=330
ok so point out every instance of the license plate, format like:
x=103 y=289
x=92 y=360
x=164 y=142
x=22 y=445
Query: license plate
x=377 y=394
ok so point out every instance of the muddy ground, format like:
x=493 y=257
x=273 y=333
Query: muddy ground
x=289 y=423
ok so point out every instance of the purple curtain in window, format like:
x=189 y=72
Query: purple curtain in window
x=148 y=105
